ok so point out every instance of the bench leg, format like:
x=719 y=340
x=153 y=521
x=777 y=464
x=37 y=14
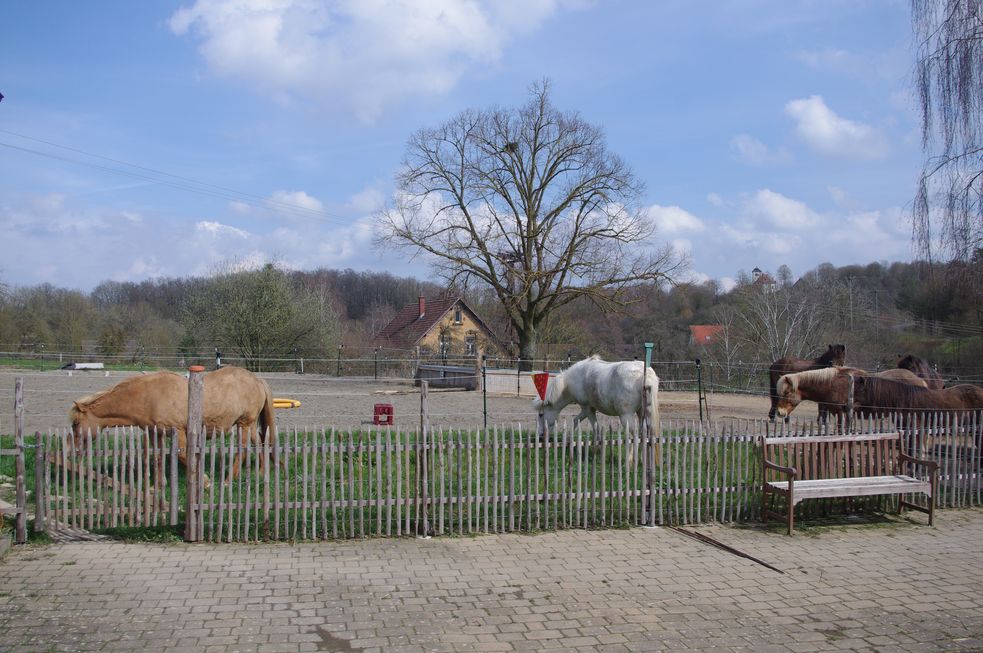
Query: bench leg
x=791 y=513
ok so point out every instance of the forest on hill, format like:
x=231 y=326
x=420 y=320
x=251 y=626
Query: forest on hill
x=270 y=314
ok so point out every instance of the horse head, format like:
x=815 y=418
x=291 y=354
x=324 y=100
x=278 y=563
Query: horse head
x=788 y=394
x=84 y=423
x=548 y=409
x=836 y=354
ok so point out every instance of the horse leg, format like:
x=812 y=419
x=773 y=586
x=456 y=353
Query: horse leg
x=182 y=456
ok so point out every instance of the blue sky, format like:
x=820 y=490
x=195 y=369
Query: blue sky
x=767 y=132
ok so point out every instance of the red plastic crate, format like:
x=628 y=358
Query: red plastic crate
x=382 y=415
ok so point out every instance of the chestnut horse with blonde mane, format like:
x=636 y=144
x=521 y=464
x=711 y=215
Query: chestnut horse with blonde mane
x=834 y=355
x=232 y=397
x=829 y=388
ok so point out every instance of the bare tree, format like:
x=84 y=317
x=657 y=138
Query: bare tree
x=780 y=320
x=728 y=347
x=949 y=80
x=529 y=202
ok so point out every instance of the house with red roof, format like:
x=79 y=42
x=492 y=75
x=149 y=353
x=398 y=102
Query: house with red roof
x=444 y=325
x=704 y=335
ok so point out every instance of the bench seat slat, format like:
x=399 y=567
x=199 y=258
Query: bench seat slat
x=819 y=439
x=852 y=487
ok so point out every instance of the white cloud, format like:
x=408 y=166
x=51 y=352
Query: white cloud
x=889 y=65
x=51 y=239
x=830 y=134
x=368 y=200
x=295 y=203
x=365 y=54
x=673 y=220
x=779 y=211
x=219 y=230
x=750 y=150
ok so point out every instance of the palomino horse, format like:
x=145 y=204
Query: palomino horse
x=232 y=397
x=921 y=367
x=829 y=388
x=835 y=355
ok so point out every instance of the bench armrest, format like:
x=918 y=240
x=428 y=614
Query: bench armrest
x=930 y=464
x=790 y=471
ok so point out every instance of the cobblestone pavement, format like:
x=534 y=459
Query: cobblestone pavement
x=899 y=587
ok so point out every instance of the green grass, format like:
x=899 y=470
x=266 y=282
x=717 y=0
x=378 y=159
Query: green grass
x=155 y=534
x=50 y=363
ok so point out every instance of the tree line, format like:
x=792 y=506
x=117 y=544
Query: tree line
x=877 y=310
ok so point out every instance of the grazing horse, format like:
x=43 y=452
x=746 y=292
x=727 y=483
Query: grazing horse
x=835 y=355
x=595 y=385
x=921 y=367
x=232 y=397
x=829 y=388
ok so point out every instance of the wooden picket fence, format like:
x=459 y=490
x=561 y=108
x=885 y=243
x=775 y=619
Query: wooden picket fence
x=331 y=484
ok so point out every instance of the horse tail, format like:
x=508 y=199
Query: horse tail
x=266 y=420
x=652 y=389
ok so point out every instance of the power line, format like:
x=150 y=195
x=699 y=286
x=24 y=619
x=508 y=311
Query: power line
x=171 y=180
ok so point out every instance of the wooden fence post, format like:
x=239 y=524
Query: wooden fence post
x=20 y=524
x=195 y=400
x=423 y=469
x=172 y=477
x=40 y=516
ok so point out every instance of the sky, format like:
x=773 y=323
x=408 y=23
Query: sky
x=167 y=139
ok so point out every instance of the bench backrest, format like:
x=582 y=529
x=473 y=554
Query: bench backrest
x=834 y=456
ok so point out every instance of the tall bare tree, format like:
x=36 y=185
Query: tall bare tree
x=948 y=207
x=529 y=202
x=779 y=319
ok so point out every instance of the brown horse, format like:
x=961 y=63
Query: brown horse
x=879 y=397
x=830 y=387
x=232 y=397
x=835 y=355
x=921 y=367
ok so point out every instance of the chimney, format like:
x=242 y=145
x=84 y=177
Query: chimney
x=423 y=307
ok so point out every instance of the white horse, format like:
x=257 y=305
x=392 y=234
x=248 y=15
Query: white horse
x=595 y=385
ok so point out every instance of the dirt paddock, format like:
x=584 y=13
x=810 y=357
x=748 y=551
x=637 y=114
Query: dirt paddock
x=344 y=403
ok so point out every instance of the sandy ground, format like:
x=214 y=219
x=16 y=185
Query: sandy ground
x=329 y=401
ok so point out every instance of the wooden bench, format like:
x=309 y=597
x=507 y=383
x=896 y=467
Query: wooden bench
x=830 y=466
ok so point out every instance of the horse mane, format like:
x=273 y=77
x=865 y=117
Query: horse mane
x=554 y=389
x=86 y=401
x=883 y=393
x=824 y=375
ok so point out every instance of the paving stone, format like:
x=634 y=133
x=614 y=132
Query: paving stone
x=904 y=587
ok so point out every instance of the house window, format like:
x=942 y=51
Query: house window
x=469 y=345
x=445 y=345
x=458 y=315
